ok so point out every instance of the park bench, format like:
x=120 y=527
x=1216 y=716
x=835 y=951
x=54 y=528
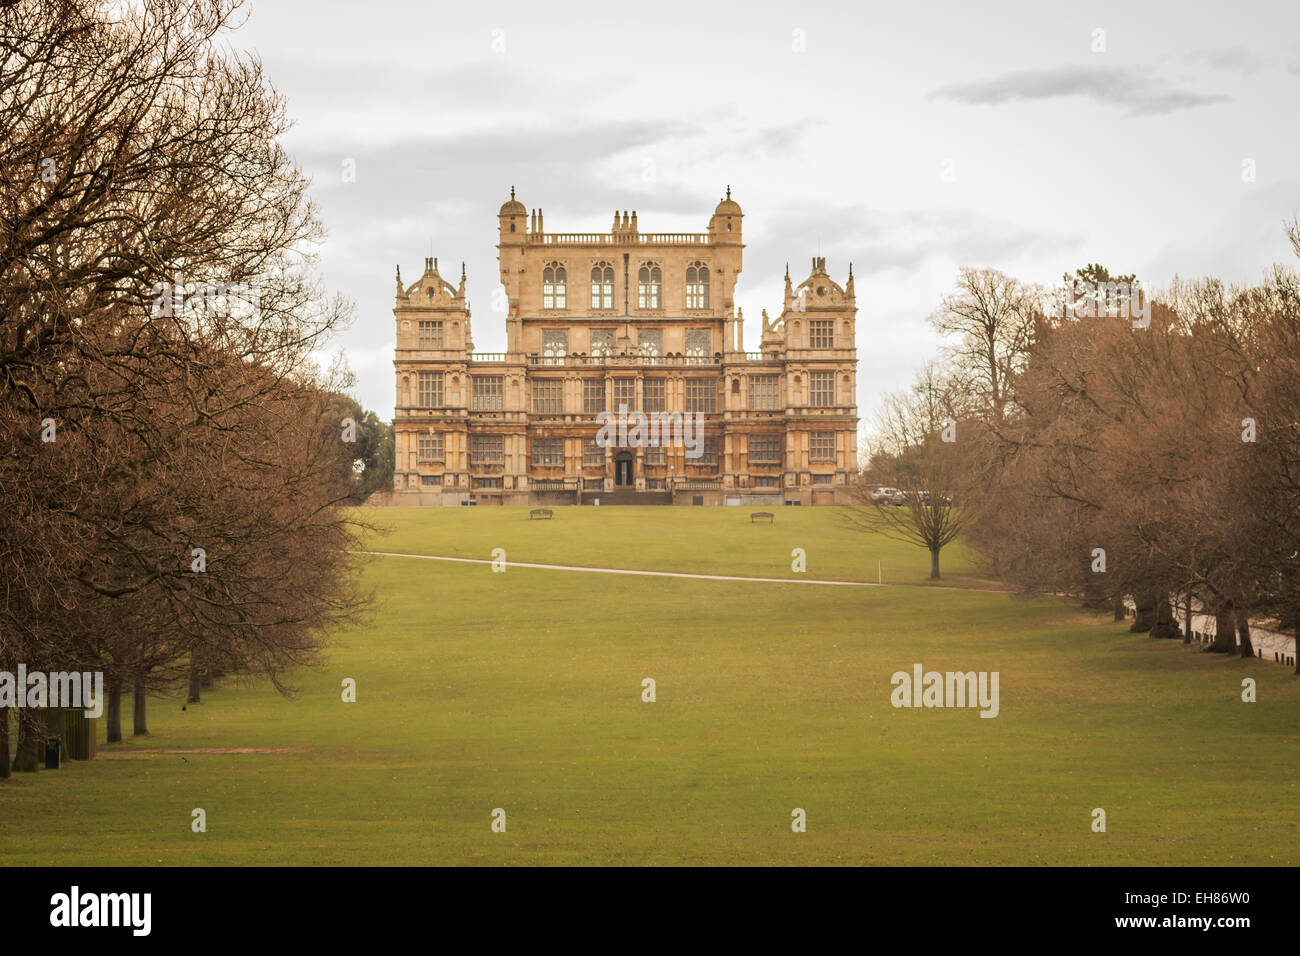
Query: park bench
x=540 y=513
x=762 y=514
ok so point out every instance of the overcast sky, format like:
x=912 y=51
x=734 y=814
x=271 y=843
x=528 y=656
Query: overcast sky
x=912 y=139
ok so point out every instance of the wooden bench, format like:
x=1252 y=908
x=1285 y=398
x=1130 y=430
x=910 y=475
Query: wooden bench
x=762 y=514
x=540 y=513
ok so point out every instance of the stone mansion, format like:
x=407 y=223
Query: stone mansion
x=601 y=322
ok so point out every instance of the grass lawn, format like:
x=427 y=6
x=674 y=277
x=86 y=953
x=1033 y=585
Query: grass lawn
x=522 y=690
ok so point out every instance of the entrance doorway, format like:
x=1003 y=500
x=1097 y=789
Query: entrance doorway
x=623 y=469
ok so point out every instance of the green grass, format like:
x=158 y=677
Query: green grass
x=522 y=690
x=697 y=541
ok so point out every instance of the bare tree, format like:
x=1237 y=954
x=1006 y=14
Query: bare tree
x=915 y=453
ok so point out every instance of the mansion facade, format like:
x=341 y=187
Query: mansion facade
x=601 y=322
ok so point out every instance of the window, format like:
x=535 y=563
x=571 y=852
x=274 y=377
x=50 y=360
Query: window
x=487 y=483
x=697 y=286
x=764 y=449
x=701 y=395
x=697 y=346
x=431 y=480
x=710 y=453
x=821 y=388
x=593 y=395
x=624 y=393
x=430 y=335
x=429 y=448
x=602 y=342
x=555 y=345
x=593 y=456
x=485 y=393
x=486 y=449
x=548 y=452
x=650 y=342
x=821 y=334
x=761 y=482
x=548 y=396
x=649 y=286
x=430 y=389
x=654 y=455
x=652 y=394
x=821 y=446
x=764 y=391
x=553 y=281
x=602 y=286
x=822 y=479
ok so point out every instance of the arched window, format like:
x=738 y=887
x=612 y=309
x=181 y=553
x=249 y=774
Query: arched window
x=697 y=286
x=602 y=286
x=553 y=279
x=649 y=286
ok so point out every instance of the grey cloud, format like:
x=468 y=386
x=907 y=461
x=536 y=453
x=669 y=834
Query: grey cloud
x=1138 y=93
x=1233 y=59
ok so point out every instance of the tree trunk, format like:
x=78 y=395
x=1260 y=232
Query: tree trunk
x=1117 y=604
x=934 y=564
x=4 y=742
x=1225 y=630
x=1164 y=624
x=80 y=735
x=1145 y=617
x=1187 y=620
x=139 y=711
x=113 y=715
x=27 y=754
x=1243 y=634
x=1296 y=657
x=196 y=685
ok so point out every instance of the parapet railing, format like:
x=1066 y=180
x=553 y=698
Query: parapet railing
x=619 y=238
x=628 y=358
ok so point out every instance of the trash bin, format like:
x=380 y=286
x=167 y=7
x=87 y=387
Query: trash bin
x=52 y=753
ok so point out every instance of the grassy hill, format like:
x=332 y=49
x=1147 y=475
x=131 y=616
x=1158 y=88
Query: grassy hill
x=522 y=690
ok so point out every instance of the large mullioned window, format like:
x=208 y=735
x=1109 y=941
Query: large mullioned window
x=764 y=449
x=652 y=393
x=764 y=392
x=429 y=448
x=602 y=342
x=555 y=345
x=697 y=286
x=430 y=392
x=821 y=446
x=548 y=452
x=486 y=392
x=554 y=279
x=602 y=286
x=430 y=335
x=650 y=342
x=701 y=395
x=624 y=393
x=486 y=449
x=697 y=346
x=649 y=286
x=821 y=388
x=821 y=334
x=548 y=396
